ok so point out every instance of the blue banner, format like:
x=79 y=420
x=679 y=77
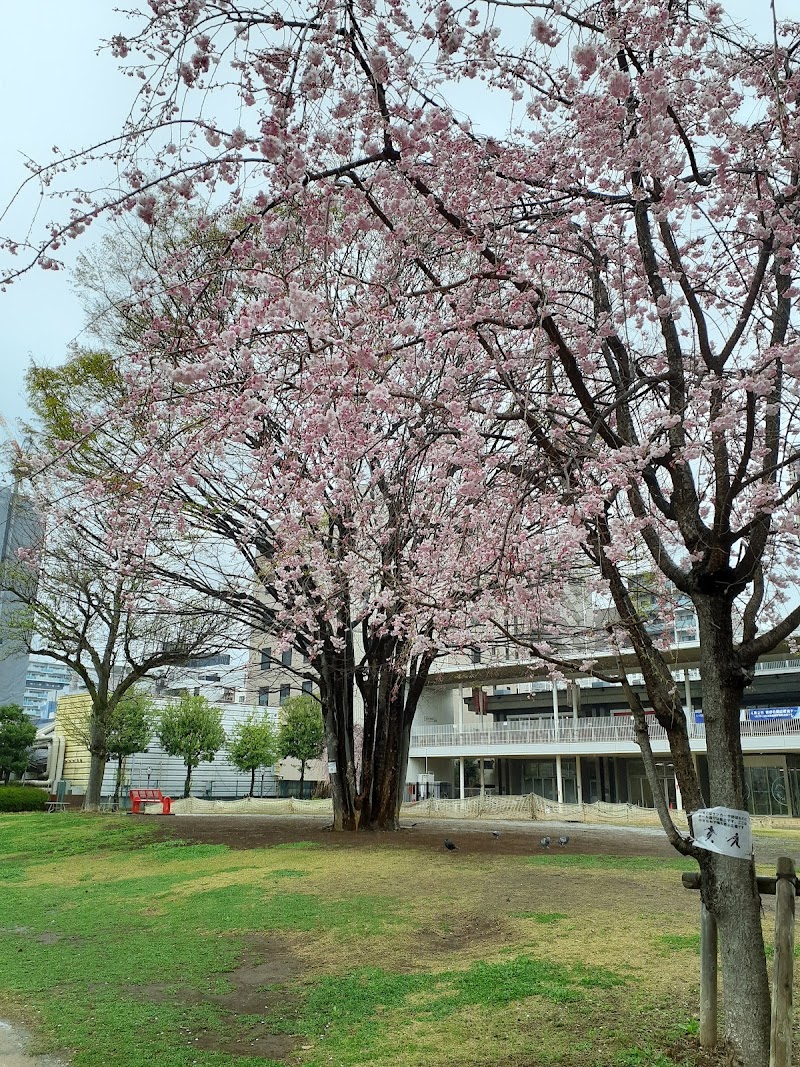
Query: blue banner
x=772 y=714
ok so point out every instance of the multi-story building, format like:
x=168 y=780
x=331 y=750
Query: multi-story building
x=19 y=528
x=44 y=681
x=573 y=741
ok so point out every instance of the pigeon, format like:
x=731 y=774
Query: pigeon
x=545 y=842
x=495 y=834
x=448 y=844
x=563 y=840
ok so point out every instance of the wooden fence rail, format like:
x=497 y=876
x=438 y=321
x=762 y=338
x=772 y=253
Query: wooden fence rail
x=783 y=886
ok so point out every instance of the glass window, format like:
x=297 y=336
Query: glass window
x=308 y=685
x=286 y=657
x=263 y=698
x=266 y=659
x=284 y=693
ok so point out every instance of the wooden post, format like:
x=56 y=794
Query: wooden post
x=708 y=978
x=780 y=1039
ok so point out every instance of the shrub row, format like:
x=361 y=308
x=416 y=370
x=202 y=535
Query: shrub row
x=22 y=798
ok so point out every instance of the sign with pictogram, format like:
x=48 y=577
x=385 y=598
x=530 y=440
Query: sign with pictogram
x=723 y=830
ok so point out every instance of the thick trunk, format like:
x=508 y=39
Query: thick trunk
x=302 y=776
x=187 y=785
x=337 y=713
x=98 y=758
x=97 y=767
x=728 y=884
x=391 y=697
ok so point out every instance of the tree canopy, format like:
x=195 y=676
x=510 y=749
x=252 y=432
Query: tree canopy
x=301 y=733
x=192 y=729
x=253 y=744
x=17 y=734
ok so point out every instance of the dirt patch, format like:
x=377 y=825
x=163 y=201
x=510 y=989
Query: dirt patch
x=267 y=831
x=267 y=966
x=470 y=836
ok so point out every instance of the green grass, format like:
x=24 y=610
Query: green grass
x=126 y=950
x=608 y=863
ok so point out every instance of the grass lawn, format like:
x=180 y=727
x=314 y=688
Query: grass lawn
x=134 y=952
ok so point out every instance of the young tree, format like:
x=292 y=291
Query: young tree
x=253 y=744
x=192 y=729
x=17 y=734
x=301 y=733
x=130 y=731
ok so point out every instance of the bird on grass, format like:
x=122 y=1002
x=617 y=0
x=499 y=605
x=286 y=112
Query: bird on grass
x=563 y=840
x=495 y=834
x=545 y=842
x=448 y=844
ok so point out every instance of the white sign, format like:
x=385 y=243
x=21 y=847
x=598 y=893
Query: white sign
x=723 y=830
x=331 y=767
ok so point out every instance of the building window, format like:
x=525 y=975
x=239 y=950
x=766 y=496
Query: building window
x=476 y=655
x=286 y=657
x=285 y=692
x=266 y=659
x=263 y=698
x=308 y=686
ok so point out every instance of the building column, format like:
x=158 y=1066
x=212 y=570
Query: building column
x=678 y=796
x=575 y=701
x=688 y=709
x=578 y=779
x=461 y=777
x=483 y=781
x=555 y=708
x=559 y=781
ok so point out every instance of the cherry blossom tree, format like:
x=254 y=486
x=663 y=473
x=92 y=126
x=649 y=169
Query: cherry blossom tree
x=609 y=240
x=329 y=461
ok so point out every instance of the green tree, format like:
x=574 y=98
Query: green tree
x=191 y=729
x=17 y=734
x=130 y=731
x=301 y=734
x=253 y=744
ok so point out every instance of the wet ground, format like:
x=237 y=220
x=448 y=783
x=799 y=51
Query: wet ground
x=14 y=1041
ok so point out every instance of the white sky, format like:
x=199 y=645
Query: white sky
x=55 y=90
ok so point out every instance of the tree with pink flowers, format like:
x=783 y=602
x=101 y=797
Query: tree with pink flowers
x=596 y=207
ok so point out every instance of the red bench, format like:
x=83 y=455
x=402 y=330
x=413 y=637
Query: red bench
x=149 y=796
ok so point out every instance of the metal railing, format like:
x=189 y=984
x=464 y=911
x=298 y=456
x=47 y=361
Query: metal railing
x=584 y=731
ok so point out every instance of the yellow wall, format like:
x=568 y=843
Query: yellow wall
x=73 y=710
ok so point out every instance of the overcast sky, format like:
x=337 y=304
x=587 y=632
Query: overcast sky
x=55 y=90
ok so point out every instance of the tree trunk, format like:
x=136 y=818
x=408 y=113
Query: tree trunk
x=98 y=757
x=97 y=767
x=336 y=693
x=302 y=776
x=392 y=687
x=728 y=885
x=187 y=785
x=252 y=780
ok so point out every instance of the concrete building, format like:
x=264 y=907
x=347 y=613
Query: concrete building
x=19 y=528
x=45 y=680
x=574 y=741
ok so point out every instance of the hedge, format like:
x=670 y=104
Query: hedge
x=23 y=798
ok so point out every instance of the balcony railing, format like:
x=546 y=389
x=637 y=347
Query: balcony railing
x=584 y=731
